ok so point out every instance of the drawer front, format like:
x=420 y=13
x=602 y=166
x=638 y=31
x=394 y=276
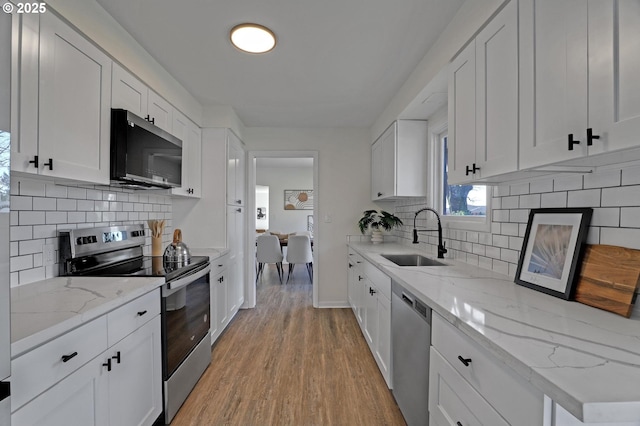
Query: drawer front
x=37 y=370
x=516 y=400
x=379 y=279
x=356 y=258
x=452 y=401
x=128 y=318
x=219 y=265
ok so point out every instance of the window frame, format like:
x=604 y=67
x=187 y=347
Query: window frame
x=438 y=128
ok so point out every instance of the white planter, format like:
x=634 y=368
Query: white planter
x=376 y=237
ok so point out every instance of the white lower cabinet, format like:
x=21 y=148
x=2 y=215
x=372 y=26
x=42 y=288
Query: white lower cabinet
x=371 y=304
x=122 y=385
x=468 y=385
x=218 y=293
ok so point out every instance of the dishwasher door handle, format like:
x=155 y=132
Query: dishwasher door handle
x=406 y=299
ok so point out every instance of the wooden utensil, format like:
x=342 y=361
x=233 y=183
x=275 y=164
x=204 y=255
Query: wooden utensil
x=608 y=278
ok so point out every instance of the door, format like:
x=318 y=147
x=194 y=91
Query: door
x=497 y=94
x=135 y=385
x=462 y=115
x=75 y=94
x=553 y=80
x=127 y=92
x=614 y=66
x=160 y=112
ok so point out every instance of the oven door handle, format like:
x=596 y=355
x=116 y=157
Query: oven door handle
x=188 y=279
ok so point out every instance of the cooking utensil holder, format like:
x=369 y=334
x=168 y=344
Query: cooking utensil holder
x=156 y=246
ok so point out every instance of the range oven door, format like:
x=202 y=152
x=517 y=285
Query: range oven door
x=185 y=317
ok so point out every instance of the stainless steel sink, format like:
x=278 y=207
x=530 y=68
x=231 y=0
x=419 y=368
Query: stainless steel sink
x=412 y=260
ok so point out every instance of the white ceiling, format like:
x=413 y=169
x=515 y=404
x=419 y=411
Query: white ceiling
x=337 y=62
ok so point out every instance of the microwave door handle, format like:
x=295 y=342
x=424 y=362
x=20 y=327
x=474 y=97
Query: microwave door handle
x=187 y=279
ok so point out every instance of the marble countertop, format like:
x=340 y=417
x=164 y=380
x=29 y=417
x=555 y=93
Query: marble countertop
x=585 y=359
x=44 y=310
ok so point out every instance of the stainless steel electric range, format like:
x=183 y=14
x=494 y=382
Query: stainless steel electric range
x=118 y=251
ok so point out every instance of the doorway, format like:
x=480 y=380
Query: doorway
x=282 y=213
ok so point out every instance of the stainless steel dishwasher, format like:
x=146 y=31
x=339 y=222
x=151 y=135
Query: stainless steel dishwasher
x=410 y=337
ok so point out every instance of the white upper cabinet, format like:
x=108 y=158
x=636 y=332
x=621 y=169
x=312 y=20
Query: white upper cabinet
x=398 y=161
x=131 y=94
x=71 y=107
x=579 y=86
x=235 y=170
x=127 y=92
x=191 y=136
x=483 y=102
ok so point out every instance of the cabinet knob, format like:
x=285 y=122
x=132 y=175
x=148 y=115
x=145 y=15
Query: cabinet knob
x=465 y=361
x=35 y=162
x=239 y=210
x=66 y=358
x=238 y=201
x=591 y=136
x=141 y=313
x=572 y=142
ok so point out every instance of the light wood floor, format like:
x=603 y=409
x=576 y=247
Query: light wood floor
x=286 y=363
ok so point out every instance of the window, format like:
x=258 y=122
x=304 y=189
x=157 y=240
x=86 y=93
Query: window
x=460 y=200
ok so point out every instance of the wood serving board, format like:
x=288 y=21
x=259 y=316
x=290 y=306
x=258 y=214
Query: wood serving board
x=608 y=278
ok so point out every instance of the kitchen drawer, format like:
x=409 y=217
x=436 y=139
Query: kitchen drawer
x=516 y=400
x=219 y=264
x=452 y=401
x=39 y=369
x=356 y=258
x=379 y=279
x=128 y=318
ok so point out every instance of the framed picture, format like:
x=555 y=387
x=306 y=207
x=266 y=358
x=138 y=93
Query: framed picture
x=552 y=250
x=262 y=213
x=298 y=199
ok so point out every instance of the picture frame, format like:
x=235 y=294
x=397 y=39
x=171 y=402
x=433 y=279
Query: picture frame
x=552 y=250
x=298 y=199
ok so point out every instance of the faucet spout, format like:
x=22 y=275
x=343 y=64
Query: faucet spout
x=441 y=245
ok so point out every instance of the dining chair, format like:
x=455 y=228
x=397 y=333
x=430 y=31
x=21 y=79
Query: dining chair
x=268 y=251
x=299 y=251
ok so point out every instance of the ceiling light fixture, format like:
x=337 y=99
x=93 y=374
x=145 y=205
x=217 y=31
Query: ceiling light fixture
x=252 y=38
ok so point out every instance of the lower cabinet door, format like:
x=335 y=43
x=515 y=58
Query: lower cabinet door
x=135 y=379
x=452 y=401
x=80 y=399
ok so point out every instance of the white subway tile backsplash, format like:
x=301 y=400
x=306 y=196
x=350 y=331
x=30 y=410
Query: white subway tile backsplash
x=56 y=191
x=21 y=203
x=45 y=204
x=530 y=201
x=45 y=231
x=56 y=218
x=30 y=187
x=584 y=198
x=77 y=193
x=554 y=199
x=567 y=182
x=511 y=202
x=18 y=233
x=631 y=176
x=541 y=185
x=31 y=275
x=67 y=204
x=30 y=247
x=625 y=237
x=510 y=229
x=630 y=217
x=19 y=263
x=606 y=216
x=627 y=196
x=493 y=252
x=602 y=179
x=500 y=215
x=76 y=217
x=519 y=216
x=27 y=217
x=501 y=267
x=86 y=205
x=509 y=255
x=519 y=189
x=93 y=194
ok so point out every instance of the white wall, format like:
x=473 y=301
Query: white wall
x=343 y=190
x=279 y=179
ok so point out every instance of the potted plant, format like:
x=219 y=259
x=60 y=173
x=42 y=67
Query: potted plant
x=378 y=221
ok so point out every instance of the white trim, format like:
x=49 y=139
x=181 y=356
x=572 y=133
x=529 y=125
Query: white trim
x=438 y=124
x=250 y=299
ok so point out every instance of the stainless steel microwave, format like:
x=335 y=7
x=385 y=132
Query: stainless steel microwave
x=142 y=154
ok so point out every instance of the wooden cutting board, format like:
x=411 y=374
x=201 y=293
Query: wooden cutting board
x=608 y=278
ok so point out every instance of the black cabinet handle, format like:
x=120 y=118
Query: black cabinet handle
x=66 y=358
x=49 y=164
x=35 y=162
x=572 y=142
x=379 y=194
x=472 y=170
x=458 y=424
x=350 y=266
x=149 y=119
x=107 y=364
x=465 y=361
x=360 y=278
x=591 y=136
x=372 y=291
x=117 y=357
x=239 y=210
x=141 y=313
x=238 y=201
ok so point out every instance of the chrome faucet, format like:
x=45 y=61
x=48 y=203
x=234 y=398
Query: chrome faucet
x=441 y=245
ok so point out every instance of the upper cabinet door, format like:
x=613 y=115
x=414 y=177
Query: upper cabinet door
x=461 y=143
x=497 y=94
x=553 y=80
x=127 y=92
x=74 y=104
x=383 y=164
x=160 y=112
x=614 y=67
x=235 y=170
